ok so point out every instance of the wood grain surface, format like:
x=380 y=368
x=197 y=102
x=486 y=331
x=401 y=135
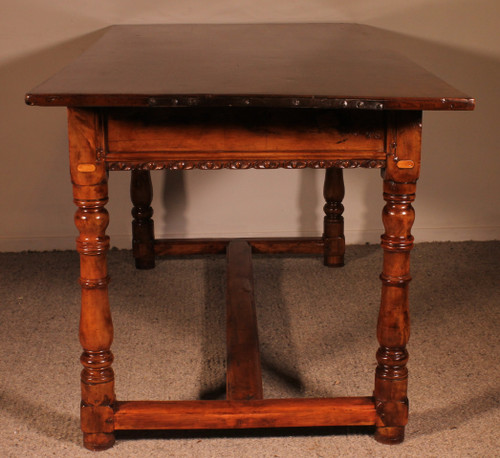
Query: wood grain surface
x=288 y=65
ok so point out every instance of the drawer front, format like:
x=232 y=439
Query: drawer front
x=244 y=135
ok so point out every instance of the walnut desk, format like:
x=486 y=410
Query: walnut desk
x=149 y=97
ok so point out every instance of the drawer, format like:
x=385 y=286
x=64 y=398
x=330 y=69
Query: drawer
x=243 y=135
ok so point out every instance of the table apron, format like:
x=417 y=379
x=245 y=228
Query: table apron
x=240 y=139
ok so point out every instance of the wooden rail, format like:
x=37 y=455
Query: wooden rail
x=269 y=413
x=298 y=245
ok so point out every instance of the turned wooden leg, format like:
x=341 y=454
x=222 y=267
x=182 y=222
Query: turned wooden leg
x=393 y=328
x=333 y=223
x=96 y=329
x=143 y=239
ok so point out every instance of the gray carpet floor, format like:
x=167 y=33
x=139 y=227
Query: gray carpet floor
x=317 y=334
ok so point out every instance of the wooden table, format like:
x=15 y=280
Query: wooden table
x=149 y=97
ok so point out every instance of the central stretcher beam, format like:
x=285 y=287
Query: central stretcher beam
x=244 y=374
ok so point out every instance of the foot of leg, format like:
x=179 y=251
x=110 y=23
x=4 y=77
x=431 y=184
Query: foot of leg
x=98 y=441
x=390 y=434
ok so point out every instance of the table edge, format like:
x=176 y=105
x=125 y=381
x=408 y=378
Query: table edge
x=251 y=100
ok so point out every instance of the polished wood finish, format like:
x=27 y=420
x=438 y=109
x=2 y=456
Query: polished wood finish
x=244 y=376
x=271 y=65
x=393 y=328
x=268 y=413
x=90 y=193
x=239 y=97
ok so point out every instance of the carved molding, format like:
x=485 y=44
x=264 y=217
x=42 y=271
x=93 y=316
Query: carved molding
x=242 y=165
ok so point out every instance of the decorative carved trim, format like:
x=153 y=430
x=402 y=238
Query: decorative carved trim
x=236 y=165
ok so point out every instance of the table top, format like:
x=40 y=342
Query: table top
x=265 y=65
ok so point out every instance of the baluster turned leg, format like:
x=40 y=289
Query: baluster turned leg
x=143 y=239
x=333 y=223
x=393 y=328
x=89 y=179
